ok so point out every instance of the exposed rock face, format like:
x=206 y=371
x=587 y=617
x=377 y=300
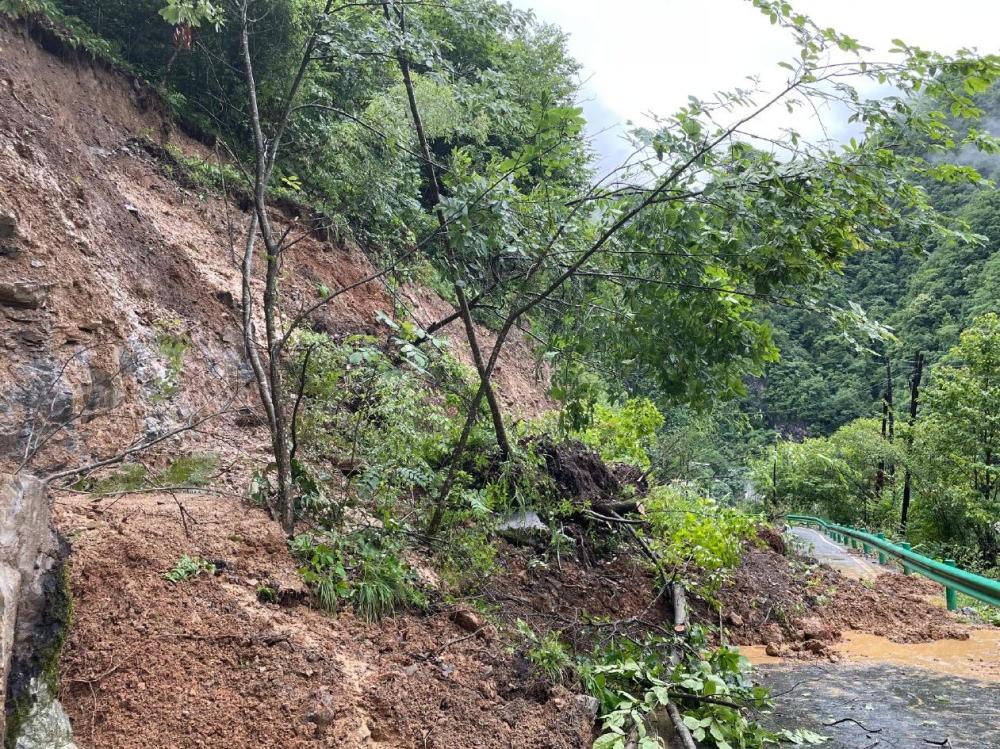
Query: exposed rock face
x=34 y=606
x=46 y=726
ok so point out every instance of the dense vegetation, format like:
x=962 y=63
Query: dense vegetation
x=445 y=139
x=856 y=454
x=933 y=479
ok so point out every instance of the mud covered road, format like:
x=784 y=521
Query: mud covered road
x=887 y=694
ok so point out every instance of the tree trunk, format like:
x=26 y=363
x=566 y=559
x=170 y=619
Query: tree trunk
x=269 y=377
x=774 y=482
x=887 y=429
x=465 y=312
x=918 y=368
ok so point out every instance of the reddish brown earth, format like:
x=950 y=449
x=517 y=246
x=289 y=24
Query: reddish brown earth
x=205 y=664
x=799 y=608
x=113 y=252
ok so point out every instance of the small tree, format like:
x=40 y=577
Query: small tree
x=267 y=137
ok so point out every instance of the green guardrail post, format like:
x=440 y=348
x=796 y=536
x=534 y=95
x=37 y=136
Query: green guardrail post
x=866 y=548
x=881 y=554
x=950 y=595
x=905 y=545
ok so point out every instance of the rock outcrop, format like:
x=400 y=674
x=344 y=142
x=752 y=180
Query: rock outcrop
x=8 y=224
x=34 y=611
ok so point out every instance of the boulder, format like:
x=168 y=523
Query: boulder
x=29 y=294
x=817 y=647
x=589 y=705
x=470 y=621
x=323 y=712
x=773 y=633
x=35 y=610
x=815 y=629
x=524 y=527
x=46 y=725
x=8 y=224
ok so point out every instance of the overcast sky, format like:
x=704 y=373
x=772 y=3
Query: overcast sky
x=649 y=55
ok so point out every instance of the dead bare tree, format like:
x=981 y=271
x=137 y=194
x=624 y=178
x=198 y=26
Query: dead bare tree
x=915 y=377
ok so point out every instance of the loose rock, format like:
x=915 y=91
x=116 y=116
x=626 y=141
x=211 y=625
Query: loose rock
x=470 y=621
x=28 y=294
x=589 y=704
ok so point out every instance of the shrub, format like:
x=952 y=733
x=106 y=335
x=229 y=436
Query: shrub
x=186 y=471
x=620 y=433
x=633 y=681
x=188 y=568
x=394 y=413
x=363 y=570
x=695 y=537
x=547 y=652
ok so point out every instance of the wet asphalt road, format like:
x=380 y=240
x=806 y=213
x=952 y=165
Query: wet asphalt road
x=833 y=554
x=896 y=707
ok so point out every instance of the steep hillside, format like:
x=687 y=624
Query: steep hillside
x=120 y=288
x=118 y=324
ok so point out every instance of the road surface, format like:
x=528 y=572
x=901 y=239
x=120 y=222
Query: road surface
x=882 y=706
x=835 y=555
x=883 y=702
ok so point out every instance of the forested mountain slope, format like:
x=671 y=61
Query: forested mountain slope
x=926 y=293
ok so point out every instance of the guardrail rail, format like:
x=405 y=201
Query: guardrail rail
x=953 y=578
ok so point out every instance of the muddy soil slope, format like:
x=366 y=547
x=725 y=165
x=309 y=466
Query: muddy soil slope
x=114 y=262
x=205 y=663
x=111 y=263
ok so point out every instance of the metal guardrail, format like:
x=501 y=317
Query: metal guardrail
x=946 y=573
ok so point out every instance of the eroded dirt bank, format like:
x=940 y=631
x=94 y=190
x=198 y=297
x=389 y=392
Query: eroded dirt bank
x=206 y=664
x=116 y=264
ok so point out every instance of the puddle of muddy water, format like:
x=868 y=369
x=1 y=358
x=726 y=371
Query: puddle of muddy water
x=976 y=658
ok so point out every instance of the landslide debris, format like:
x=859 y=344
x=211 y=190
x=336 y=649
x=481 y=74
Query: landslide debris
x=206 y=663
x=797 y=607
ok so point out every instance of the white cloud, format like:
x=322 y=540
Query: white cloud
x=643 y=56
